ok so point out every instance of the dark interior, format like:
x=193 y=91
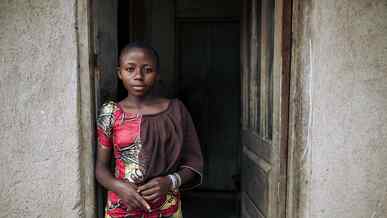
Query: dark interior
x=203 y=72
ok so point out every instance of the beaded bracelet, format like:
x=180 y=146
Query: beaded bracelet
x=174 y=181
x=178 y=178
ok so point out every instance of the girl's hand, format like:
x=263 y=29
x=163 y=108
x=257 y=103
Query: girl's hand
x=129 y=196
x=155 y=188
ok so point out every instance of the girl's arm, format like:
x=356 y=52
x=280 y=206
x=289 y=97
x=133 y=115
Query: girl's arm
x=186 y=175
x=191 y=162
x=102 y=170
x=127 y=191
x=159 y=186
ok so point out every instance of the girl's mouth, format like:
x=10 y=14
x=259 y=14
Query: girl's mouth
x=138 y=88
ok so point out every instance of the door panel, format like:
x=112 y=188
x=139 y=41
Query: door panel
x=250 y=139
x=255 y=182
x=209 y=84
x=248 y=208
x=105 y=48
x=263 y=82
x=257 y=147
x=265 y=69
x=105 y=60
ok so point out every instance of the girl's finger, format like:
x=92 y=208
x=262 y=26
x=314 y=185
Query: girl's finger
x=134 y=203
x=150 y=191
x=142 y=202
x=146 y=186
x=155 y=200
x=151 y=197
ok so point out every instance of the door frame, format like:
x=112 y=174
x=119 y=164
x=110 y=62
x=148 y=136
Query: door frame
x=285 y=42
x=298 y=150
x=86 y=107
x=300 y=110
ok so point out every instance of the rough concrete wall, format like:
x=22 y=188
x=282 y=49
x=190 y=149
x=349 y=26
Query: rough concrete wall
x=348 y=128
x=39 y=144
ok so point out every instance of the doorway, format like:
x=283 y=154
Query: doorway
x=226 y=61
x=200 y=66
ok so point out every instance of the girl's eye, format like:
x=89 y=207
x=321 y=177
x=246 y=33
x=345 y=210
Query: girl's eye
x=131 y=69
x=148 y=70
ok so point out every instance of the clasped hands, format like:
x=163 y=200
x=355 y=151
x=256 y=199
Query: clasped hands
x=138 y=196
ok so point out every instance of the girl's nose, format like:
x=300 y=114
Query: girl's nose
x=138 y=74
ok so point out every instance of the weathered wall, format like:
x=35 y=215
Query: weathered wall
x=39 y=164
x=344 y=53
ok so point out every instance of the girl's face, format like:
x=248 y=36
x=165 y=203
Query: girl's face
x=138 y=71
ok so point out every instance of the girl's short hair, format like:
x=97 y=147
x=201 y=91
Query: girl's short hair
x=142 y=45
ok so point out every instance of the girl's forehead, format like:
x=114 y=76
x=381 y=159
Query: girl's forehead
x=137 y=54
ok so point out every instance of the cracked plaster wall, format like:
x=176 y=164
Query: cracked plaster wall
x=348 y=129
x=39 y=164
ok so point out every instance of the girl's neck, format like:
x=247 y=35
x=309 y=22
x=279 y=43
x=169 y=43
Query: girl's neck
x=138 y=101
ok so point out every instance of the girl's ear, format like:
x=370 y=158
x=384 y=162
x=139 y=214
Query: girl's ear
x=118 y=72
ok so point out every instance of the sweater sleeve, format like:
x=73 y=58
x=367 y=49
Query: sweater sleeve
x=191 y=152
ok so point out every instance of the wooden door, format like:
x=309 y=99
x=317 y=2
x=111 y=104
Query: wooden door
x=105 y=61
x=209 y=85
x=265 y=85
x=105 y=49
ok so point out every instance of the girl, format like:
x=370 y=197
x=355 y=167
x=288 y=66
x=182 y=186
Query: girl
x=152 y=140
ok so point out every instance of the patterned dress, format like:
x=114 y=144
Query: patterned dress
x=147 y=146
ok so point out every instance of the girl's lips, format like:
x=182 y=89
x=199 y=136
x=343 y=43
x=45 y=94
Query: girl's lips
x=138 y=87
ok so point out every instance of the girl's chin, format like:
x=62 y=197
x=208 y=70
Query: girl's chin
x=138 y=93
